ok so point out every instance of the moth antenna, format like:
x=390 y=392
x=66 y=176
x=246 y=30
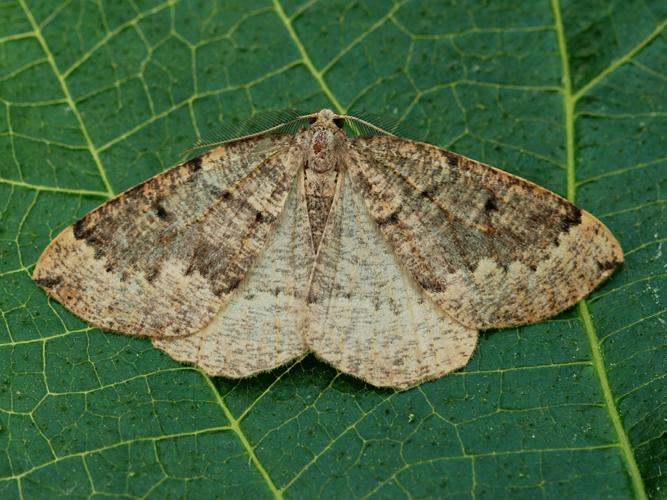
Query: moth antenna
x=282 y=121
x=369 y=124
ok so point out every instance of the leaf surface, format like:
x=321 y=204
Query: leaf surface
x=97 y=96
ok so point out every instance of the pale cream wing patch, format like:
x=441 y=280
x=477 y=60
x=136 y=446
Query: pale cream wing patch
x=367 y=317
x=492 y=249
x=161 y=258
x=260 y=326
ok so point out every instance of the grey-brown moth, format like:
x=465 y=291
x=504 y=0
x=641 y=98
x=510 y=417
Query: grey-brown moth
x=382 y=255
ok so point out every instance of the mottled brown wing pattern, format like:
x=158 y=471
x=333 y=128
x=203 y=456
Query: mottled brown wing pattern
x=493 y=250
x=161 y=258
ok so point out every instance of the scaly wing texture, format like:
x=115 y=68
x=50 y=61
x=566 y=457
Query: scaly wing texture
x=161 y=258
x=367 y=317
x=259 y=327
x=492 y=249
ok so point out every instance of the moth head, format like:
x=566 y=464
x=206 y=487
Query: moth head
x=326 y=137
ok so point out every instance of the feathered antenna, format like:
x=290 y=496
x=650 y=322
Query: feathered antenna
x=283 y=121
x=369 y=124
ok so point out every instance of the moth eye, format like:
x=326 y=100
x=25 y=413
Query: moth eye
x=312 y=119
x=340 y=122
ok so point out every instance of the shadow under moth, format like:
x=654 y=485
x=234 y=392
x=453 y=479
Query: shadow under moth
x=383 y=256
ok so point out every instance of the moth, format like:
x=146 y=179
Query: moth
x=383 y=256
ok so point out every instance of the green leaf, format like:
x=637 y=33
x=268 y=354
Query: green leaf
x=97 y=96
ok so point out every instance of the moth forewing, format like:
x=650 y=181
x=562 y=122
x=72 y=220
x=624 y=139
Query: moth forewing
x=161 y=258
x=491 y=249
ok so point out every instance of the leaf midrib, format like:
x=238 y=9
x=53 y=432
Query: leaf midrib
x=569 y=103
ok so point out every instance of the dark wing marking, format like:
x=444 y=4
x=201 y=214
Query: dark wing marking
x=161 y=258
x=258 y=329
x=493 y=250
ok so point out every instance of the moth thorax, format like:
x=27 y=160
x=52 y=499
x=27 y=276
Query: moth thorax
x=322 y=155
